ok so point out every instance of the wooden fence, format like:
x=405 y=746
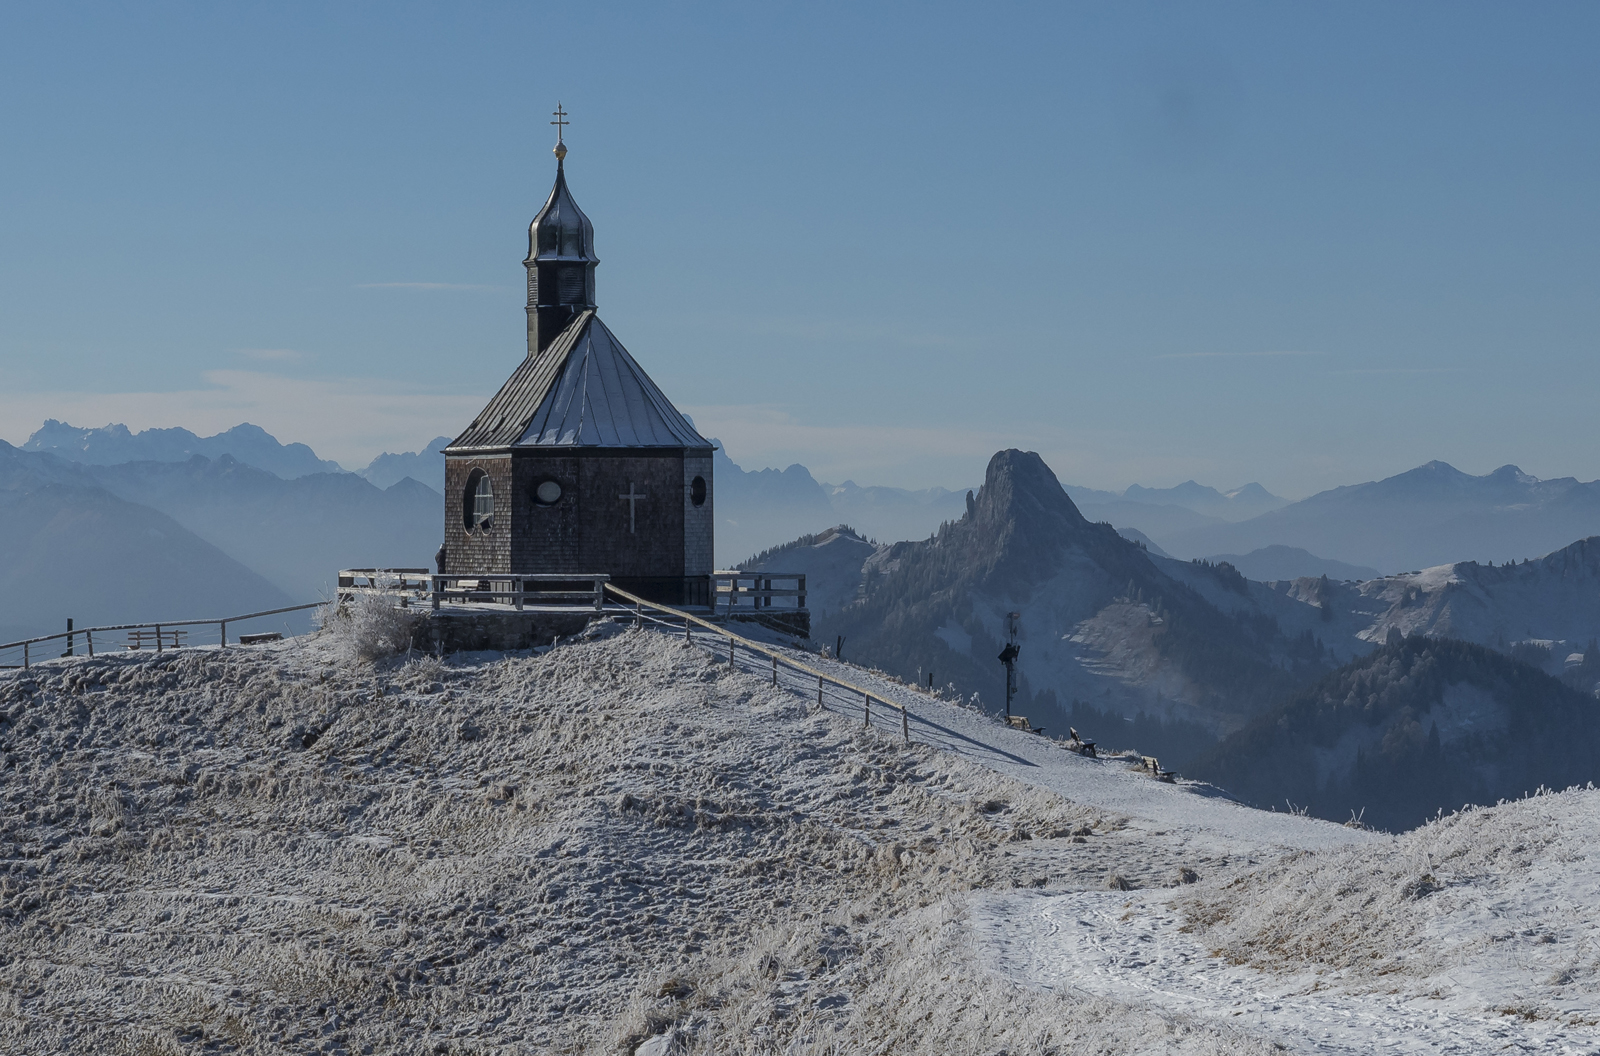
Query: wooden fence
x=163 y=632
x=755 y=589
x=418 y=584
x=736 y=641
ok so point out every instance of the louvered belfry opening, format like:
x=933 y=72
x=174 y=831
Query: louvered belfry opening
x=592 y=469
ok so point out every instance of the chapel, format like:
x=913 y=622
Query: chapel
x=579 y=464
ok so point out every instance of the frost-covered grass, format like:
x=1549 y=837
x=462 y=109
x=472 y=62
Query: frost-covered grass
x=280 y=849
x=1493 y=906
x=284 y=849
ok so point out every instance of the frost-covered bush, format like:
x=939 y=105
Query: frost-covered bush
x=368 y=627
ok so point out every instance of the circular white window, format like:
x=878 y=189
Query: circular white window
x=548 y=493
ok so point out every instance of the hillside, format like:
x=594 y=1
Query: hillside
x=1553 y=601
x=832 y=562
x=473 y=856
x=1271 y=563
x=1418 y=726
x=1427 y=516
x=276 y=849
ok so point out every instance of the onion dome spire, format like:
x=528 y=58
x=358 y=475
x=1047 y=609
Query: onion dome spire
x=560 y=259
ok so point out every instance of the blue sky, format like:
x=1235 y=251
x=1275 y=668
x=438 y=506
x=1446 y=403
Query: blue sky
x=1302 y=244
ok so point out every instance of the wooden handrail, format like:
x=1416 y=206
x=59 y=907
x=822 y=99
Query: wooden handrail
x=224 y=621
x=777 y=657
x=735 y=583
x=440 y=592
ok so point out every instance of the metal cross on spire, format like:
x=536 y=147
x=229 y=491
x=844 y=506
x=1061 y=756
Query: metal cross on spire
x=560 y=122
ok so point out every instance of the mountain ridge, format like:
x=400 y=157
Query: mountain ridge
x=114 y=444
x=1426 y=516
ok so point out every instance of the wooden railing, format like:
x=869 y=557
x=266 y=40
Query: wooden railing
x=733 y=589
x=162 y=635
x=519 y=590
x=778 y=659
x=387 y=580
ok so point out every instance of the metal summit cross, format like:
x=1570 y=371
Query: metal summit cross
x=633 y=501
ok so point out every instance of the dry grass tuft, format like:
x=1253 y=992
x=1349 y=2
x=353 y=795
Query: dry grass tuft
x=369 y=628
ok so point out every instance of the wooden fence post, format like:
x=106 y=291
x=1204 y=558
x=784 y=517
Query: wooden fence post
x=905 y=724
x=866 y=708
x=819 y=691
x=599 y=594
x=25 y=656
x=730 y=650
x=158 y=637
x=224 y=634
x=774 y=670
x=89 y=636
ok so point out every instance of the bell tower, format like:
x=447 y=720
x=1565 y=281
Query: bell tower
x=561 y=258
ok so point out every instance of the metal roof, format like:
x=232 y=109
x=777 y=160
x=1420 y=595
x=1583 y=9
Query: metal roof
x=561 y=231
x=584 y=390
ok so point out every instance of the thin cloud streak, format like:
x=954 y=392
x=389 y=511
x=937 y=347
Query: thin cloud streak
x=424 y=286
x=1403 y=370
x=1234 y=355
x=274 y=355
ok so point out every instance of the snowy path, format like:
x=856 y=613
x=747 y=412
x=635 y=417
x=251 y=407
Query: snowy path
x=1107 y=784
x=1127 y=946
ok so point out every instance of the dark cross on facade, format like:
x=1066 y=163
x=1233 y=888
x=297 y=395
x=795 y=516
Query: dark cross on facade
x=560 y=122
x=633 y=501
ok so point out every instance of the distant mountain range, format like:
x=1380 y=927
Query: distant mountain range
x=113 y=444
x=1115 y=630
x=297 y=533
x=425 y=466
x=71 y=548
x=1426 y=516
x=758 y=509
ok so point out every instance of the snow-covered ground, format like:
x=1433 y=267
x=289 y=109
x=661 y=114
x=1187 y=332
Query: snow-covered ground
x=1476 y=933
x=625 y=838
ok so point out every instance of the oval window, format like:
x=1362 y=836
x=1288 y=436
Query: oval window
x=477 y=505
x=697 y=491
x=548 y=493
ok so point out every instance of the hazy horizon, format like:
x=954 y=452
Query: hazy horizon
x=1157 y=242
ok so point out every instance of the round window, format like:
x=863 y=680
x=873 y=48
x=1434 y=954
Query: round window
x=697 y=491
x=548 y=493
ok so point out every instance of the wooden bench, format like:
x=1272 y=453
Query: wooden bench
x=1075 y=743
x=1152 y=765
x=1020 y=722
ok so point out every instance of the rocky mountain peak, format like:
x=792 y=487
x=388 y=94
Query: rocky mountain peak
x=1020 y=493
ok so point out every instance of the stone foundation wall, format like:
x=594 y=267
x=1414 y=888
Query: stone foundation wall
x=451 y=632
